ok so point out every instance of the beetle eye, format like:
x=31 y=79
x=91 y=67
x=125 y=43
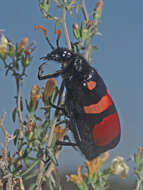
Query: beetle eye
x=66 y=54
x=69 y=54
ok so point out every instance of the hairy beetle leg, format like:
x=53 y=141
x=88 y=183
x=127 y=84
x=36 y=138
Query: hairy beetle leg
x=62 y=143
x=65 y=143
x=75 y=46
x=59 y=108
x=47 y=76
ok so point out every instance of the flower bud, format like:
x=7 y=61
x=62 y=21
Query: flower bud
x=93 y=167
x=34 y=97
x=26 y=60
x=89 y=23
x=76 y=31
x=140 y=152
x=78 y=179
x=3 y=47
x=23 y=43
x=60 y=131
x=98 y=10
x=99 y=5
x=75 y=26
x=49 y=88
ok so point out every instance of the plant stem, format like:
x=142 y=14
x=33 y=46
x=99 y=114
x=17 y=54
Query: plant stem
x=9 y=185
x=86 y=17
x=19 y=108
x=84 y=10
x=56 y=116
x=6 y=135
x=65 y=28
x=39 y=177
x=50 y=169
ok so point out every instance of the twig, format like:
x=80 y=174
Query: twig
x=39 y=177
x=56 y=116
x=21 y=184
x=9 y=184
x=1 y=124
x=50 y=169
x=85 y=13
x=65 y=28
x=59 y=147
x=84 y=10
x=19 y=107
x=18 y=78
x=8 y=138
x=6 y=134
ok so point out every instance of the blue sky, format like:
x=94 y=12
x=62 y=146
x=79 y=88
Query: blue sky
x=118 y=60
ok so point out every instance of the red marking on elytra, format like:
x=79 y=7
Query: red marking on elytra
x=104 y=103
x=91 y=85
x=107 y=130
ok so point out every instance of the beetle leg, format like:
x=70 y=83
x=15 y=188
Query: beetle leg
x=62 y=143
x=75 y=46
x=40 y=77
x=59 y=108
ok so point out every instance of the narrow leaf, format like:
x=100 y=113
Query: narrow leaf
x=31 y=167
x=32 y=186
x=16 y=133
x=14 y=114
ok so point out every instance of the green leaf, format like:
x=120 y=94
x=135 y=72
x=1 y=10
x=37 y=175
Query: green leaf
x=45 y=5
x=58 y=3
x=52 y=156
x=16 y=133
x=49 y=183
x=27 y=105
x=77 y=33
x=45 y=124
x=36 y=162
x=85 y=34
x=97 y=15
x=53 y=141
x=12 y=168
x=78 y=7
x=54 y=182
x=31 y=176
x=58 y=21
x=32 y=186
x=20 y=144
x=26 y=161
x=69 y=6
x=50 y=17
x=54 y=95
x=37 y=117
x=14 y=114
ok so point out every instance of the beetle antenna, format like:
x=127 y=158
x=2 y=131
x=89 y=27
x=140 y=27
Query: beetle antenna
x=52 y=47
x=58 y=31
x=45 y=34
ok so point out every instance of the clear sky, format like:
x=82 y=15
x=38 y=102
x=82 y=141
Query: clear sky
x=119 y=60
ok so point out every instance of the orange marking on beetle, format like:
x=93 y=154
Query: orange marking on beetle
x=58 y=31
x=42 y=28
x=91 y=85
x=107 y=130
x=104 y=103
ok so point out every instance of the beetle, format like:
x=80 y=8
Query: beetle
x=93 y=117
